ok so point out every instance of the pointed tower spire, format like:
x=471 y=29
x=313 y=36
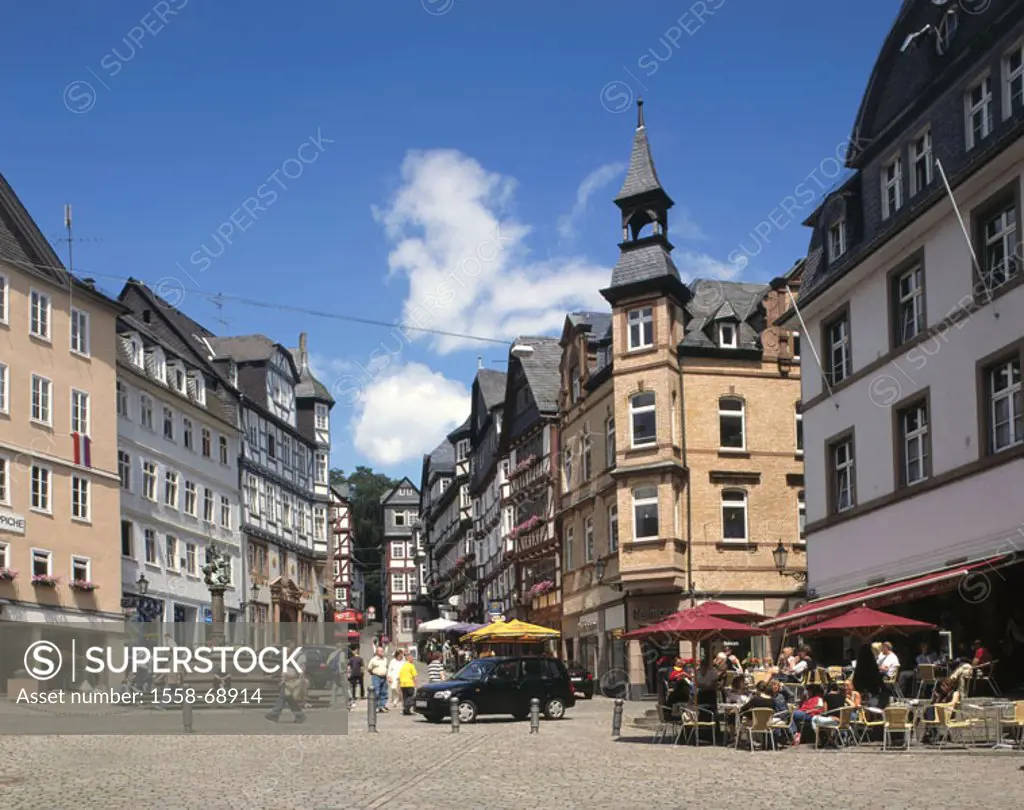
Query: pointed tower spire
x=639 y=113
x=642 y=178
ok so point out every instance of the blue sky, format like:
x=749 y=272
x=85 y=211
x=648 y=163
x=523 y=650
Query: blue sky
x=355 y=155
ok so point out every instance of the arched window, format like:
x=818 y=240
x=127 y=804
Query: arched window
x=734 y=516
x=643 y=419
x=731 y=424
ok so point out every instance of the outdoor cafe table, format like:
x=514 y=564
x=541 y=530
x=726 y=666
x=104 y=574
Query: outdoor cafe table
x=993 y=714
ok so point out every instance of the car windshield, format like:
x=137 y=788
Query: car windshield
x=473 y=671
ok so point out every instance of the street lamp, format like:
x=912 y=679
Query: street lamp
x=142 y=585
x=599 y=570
x=780 y=556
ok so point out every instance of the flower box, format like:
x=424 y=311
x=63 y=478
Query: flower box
x=84 y=585
x=45 y=580
x=541 y=588
x=8 y=575
x=522 y=467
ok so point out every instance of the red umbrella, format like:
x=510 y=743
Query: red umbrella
x=865 y=622
x=729 y=612
x=696 y=625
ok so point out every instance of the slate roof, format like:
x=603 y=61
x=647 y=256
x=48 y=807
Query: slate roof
x=442 y=458
x=642 y=263
x=343 y=491
x=641 y=178
x=492 y=387
x=543 y=370
x=401 y=500
x=244 y=349
x=462 y=431
x=715 y=301
x=308 y=386
x=600 y=324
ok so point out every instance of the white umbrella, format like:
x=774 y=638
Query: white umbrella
x=435 y=626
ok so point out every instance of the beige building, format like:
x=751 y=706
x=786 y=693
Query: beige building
x=59 y=487
x=681 y=463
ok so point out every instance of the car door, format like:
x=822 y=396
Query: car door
x=535 y=683
x=500 y=693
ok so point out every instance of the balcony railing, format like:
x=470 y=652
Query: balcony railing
x=528 y=479
x=536 y=540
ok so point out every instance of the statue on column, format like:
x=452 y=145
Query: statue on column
x=217 y=571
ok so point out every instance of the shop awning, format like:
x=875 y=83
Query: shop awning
x=881 y=595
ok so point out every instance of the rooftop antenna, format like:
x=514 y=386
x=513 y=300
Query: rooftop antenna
x=218 y=302
x=70 y=238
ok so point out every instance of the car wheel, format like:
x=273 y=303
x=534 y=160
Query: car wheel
x=554 y=709
x=467 y=711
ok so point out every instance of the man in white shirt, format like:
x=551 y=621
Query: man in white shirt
x=377 y=666
x=889 y=664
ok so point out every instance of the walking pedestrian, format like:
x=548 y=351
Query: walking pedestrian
x=407 y=683
x=378 y=667
x=335 y=665
x=435 y=669
x=394 y=690
x=291 y=692
x=355 y=675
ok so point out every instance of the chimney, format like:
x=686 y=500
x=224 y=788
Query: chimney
x=303 y=355
x=479 y=362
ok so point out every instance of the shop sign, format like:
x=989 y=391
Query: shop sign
x=12 y=523
x=586 y=623
x=645 y=611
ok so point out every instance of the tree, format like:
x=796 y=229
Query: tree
x=366 y=488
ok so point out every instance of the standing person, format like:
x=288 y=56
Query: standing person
x=407 y=683
x=355 y=676
x=291 y=692
x=435 y=670
x=867 y=677
x=394 y=690
x=335 y=665
x=378 y=667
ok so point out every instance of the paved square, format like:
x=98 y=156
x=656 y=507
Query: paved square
x=495 y=763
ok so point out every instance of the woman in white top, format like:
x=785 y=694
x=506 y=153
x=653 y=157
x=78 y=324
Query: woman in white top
x=394 y=690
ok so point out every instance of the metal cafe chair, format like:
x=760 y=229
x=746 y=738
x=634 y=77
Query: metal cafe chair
x=756 y=721
x=897 y=721
x=927 y=677
x=668 y=723
x=984 y=674
x=693 y=719
x=842 y=730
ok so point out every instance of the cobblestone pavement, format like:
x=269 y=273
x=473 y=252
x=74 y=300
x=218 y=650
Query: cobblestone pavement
x=494 y=763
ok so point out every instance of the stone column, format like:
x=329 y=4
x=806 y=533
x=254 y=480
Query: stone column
x=217 y=600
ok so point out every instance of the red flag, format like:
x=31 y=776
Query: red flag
x=78 y=454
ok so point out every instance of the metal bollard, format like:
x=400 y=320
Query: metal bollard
x=534 y=715
x=617 y=718
x=453 y=706
x=186 y=716
x=371 y=711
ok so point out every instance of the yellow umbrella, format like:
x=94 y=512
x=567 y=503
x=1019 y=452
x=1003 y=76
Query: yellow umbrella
x=514 y=630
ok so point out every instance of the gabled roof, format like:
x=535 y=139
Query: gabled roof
x=492 y=387
x=542 y=370
x=462 y=431
x=598 y=324
x=342 y=491
x=713 y=301
x=250 y=349
x=442 y=458
x=642 y=177
x=405 y=499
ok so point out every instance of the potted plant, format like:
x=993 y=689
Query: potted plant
x=8 y=574
x=84 y=585
x=45 y=580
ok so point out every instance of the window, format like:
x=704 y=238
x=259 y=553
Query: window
x=801 y=514
x=921 y=162
x=191 y=562
x=609 y=442
x=39 y=315
x=399 y=518
x=641 y=328
x=568 y=548
x=206 y=440
x=645 y=513
x=323 y=419
x=122 y=400
x=149 y=480
x=124 y=470
x=588 y=540
x=171 y=489
x=999 y=260
x=135 y=353
x=1013 y=81
x=734 y=516
x=127 y=538
x=4 y=296
x=40 y=488
x=731 y=424
x=225 y=512
x=398 y=583
x=726 y=336
x=80 y=412
x=799 y=431
x=462 y=449
x=79 y=331
x=320 y=528
x=42 y=563
x=190 y=498
x=1005 y=408
x=5 y=493
x=223 y=450
x=81 y=569
x=233 y=374
x=613 y=528
x=407 y=620
x=892 y=187
x=837 y=240
x=149 y=537
x=587 y=467
x=252 y=493
x=567 y=468
x=187 y=432
x=397 y=551
x=837 y=341
x=208 y=503
x=643 y=419
x=574 y=384
x=978 y=103
x=4 y=385
x=146 y=411
x=271 y=446
x=843 y=494
x=180 y=380
x=42 y=390
x=908 y=297
x=171 y=552
x=321 y=468
x=795 y=343
x=168 y=424
x=914 y=443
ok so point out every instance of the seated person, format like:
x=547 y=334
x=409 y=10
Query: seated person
x=678 y=692
x=738 y=694
x=812 y=706
x=945 y=694
x=834 y=701
x=799 y=670
x=852 y=695
x=781 y=696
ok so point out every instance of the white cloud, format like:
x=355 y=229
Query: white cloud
x=592 y=183
x=406 y=412
x=326 y=368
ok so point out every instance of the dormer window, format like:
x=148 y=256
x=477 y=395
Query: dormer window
x=1013 y=81
x=892 y=187
x=180 y=380
x=921 y=162
x=727 y=336
x=837 y=240
x=157 y=364
x=978 y=104
x=135 y=351
x=233 y=374
x=641 y=328
x=197 y=386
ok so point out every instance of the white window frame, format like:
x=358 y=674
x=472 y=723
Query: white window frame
x=837 y=240
x=1010 y=76
x=225 y=512
x=613 y=528
x=728 y=336
x=841 y=345
x=567 y=551
x=168 y=419
x=43 y=318
x=801 y=516
x=798 y=428
x=5 y=387
x=588 y=540
x=148 y=544
x=646 y=500
x=209 y=504
x=843 y=469
x=172 y=548
x=45 y=500
x=5 y=555
x=736 y=499
x=149 y=481
x=918 y=437
x=81 y=499
x=982 y=107
x=1012 y=395
x=640 y=328
x=322 y=471
x=124 y=470
x=45 y=398
x=5 y=297
x=45 y=554
x=586 y=466
x=322 y=415
x=146 y=411
x=79 y=328
x=122 y=400
x=80 y=412
x=635 y=410
x=191 y=559
x=5 y=481
x=919 y=157
x=171 y=481
x=398 y=582
x=188 y=434
x=892 y=185
x=794 y=343
x=732 y=413
x=223 y=450
x=205 y=442
x=397 y=550
x=190 y=489
x=567 y=460
x=609 y=442
x=1006 y=239
x=910 y=303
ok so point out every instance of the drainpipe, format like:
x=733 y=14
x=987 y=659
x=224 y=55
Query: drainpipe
x=689 y=511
